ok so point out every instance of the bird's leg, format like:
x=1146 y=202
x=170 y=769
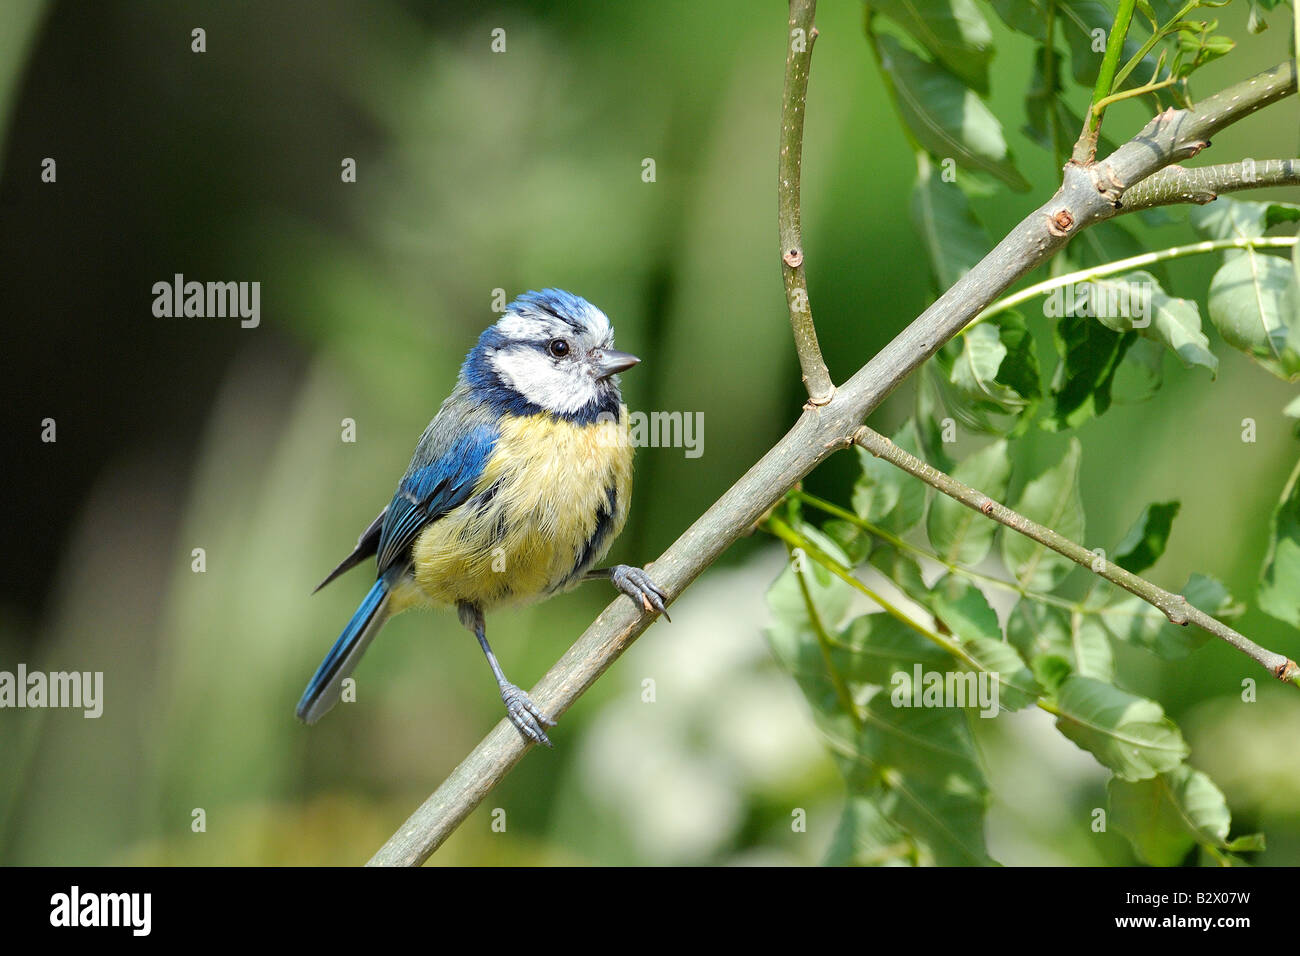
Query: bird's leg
x=521 y=710
x=636 y=584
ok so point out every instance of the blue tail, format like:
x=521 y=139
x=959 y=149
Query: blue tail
x=322 y=692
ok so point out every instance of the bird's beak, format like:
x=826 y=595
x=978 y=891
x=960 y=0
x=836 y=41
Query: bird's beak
x=612 y=362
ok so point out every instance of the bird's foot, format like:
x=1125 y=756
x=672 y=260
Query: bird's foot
x=526 y=715
x=636 y=584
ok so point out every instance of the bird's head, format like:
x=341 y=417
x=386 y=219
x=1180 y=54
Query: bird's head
x=552 y=351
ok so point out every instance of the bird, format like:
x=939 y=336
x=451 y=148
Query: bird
x=515 y=491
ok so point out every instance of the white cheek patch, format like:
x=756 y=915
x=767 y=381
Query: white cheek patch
x=562 y=388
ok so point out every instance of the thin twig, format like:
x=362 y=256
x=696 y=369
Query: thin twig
x=1157 y=34
x=794 y=539
x=1137 y=91
x=798 y=60
x=1173 y=606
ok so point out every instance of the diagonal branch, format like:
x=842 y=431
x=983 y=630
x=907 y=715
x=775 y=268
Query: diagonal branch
x=1173 y=606
x=1085 y=198
x=798 y=60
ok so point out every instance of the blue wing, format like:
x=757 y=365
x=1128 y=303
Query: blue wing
x=447 y=464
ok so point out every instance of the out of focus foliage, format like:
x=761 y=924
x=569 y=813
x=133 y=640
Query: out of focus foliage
x=958 y=624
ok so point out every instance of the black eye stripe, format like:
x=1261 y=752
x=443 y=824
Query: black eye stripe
x=571 y=322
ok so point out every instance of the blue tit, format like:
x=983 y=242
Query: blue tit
x=516 y=489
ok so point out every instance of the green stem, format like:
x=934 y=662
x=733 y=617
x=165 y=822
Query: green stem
x=1142 y=90
x=792 y=537
x=1126 y=265
x=1080 y=606
x=1156 y=37
x=824 y=642
x=1085 y=150
x=888 y=536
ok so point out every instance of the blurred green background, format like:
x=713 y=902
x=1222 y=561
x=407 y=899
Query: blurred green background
x=477 y=171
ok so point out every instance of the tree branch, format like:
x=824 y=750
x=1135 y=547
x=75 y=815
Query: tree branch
x=798 y=60
x=1085 y=198
x=1174 y=185
x=1173 y=606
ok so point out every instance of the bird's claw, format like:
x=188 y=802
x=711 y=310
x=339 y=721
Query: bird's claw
x=526 y=715
x=636 y=584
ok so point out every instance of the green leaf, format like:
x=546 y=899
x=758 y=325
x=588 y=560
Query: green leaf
x=1255 y=305
x=1254 y=297
x=1045 y=634
x=990 y=378
x=952 y=235
x=1165 y=816
x=1146 y=540
x=885 y=495
x=1255 y=23
x=961 y=535
x=874 y=648
x=1226 y=218
x=1078 y=19
x=954 y=31
x=902 y=569
x=1090 y=356
x=1172 y=321
x=864 y=837
x=933 y=787
x=1051 y=499
x=964 y=609
x=916 y=790
x=1280 y=212
x=1134 y=301
x=981 y=357
x=1279 y=583
x=1140 y=374
x=1197 y=47
x=853 y=541
x=1017 y=686
x=1131 y=735
x=1023 y=16
x=1019 y=370
x=930 y=413
x=946 y=117
x=831 y=595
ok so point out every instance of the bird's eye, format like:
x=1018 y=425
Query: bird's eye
x=558 y=347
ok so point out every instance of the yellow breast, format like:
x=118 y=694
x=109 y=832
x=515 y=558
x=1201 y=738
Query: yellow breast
x=551 y=499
